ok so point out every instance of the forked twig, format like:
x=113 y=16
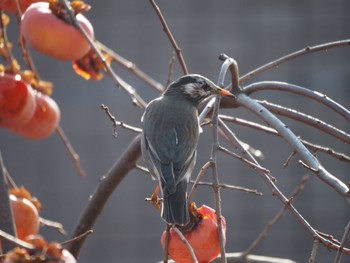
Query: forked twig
x=118 y=123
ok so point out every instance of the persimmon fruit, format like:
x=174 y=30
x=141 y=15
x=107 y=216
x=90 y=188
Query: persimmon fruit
x=26 y=217
x=203 y=238
x=17 y=101
x=52 y=36
x=44 y=120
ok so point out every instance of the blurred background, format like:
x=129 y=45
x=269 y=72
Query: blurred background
x=253 y=33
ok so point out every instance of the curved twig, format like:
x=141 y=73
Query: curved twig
x=287 y=87
x=301 y=52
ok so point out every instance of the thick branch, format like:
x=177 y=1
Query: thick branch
x=108 y=184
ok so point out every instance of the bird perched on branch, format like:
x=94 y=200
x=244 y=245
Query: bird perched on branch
x=169 y=140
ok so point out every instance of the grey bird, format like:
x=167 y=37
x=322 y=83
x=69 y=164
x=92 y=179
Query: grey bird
x=169 y=140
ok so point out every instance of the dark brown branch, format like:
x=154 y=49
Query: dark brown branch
x=107 y=186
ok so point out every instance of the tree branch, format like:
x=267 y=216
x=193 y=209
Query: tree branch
x=108 y=184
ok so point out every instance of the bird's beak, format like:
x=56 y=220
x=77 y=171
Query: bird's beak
x=223 y=92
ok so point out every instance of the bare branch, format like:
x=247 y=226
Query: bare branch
x=131 y=66
x=296 y=145
x=170 y=36
x=108 y=184
x=342 y=244
x=315 y=246
x=307 y=119
x=251 y=164
x=278 y=216
x=136 y=99
x=309 y=145
x=308 y=50
x=118 y=123
x=311 y=94
x=228 y=186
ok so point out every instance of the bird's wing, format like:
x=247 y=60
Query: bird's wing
x=168 y=144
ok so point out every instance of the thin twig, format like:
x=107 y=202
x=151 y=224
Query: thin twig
x=171 y=69
x=14 y=240
x=307 y=119
x=56 y=225
x=342 y=244
x=131 y=66
x=118 y=123
x=278 y=216
x=253 y=165
x=75 y=157
x=315 y=247
x=77 y=238
x=170 y=36
x=302 y=52
x=229 y=186
x=119 y=82
x=309 y=145
x=201 y=173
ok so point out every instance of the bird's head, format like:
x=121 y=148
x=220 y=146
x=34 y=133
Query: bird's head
x=194 y=88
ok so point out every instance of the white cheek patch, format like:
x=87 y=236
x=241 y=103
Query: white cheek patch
x=190 y=89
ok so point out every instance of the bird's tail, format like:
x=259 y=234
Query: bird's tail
x=175 y=210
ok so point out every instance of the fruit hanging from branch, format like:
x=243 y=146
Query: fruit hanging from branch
x=46 y=27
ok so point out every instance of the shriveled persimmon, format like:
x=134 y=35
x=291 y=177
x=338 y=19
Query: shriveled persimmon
x=44 y=121
x=203 y=238
x=17 y=101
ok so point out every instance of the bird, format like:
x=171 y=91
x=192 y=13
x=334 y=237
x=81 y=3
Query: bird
x=170 y=133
